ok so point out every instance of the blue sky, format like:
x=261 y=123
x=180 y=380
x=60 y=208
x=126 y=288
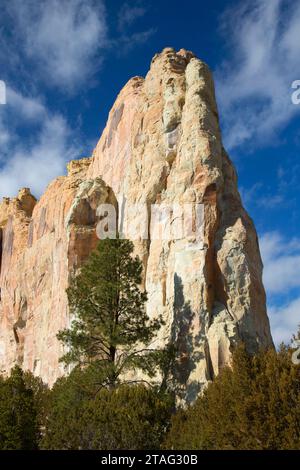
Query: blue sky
x=64 y=62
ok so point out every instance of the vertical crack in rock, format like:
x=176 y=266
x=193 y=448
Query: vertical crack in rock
x=116 y=118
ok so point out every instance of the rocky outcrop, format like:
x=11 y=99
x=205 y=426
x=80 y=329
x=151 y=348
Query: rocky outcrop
x=42 y=243
x=161 y=146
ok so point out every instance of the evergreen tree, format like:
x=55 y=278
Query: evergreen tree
x=111 y=332
x=127 y=417
x=255 y=404
x=41 y=395
x=18 y=414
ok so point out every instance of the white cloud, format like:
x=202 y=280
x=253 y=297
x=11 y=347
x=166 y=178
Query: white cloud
x=19 y=109
x=281 y=259
x=57 y=43
x=63 y=38
x=249 y=195
x=272 y=201
x=254 y=86
x=126 y=43
x=281 y=262
x=35 y=166
x=254 y=196
x=64 y=42
x=285 y=321
x=4 y=134
x=32 y=162
x=25 y=107
x=128 y=14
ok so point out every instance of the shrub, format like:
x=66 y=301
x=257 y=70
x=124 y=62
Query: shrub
x=253 y=405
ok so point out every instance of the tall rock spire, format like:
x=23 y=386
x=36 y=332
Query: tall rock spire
x=161 y=146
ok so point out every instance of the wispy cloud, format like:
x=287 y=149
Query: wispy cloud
x=285 y=321
x=250 y=195
x=254 y=84
x=65 y=42
x=28 y=107
x=281 y=259
x=63 y=39
x=32 y=162
x=19 y=110
x=259 y=196
x=276 y=193
x=50 y=43
x=128 y=42
x=129 y=13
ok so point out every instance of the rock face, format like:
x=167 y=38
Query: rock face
x=42 y=243
x=162 y=145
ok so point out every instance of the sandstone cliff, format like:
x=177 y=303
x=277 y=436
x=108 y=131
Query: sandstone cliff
x=161 y=145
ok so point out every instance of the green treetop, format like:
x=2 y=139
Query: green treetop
x=111 y=331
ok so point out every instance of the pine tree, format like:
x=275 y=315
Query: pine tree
x=111 y=332
x=18 y=414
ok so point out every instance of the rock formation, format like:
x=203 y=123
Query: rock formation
x=161 y=145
